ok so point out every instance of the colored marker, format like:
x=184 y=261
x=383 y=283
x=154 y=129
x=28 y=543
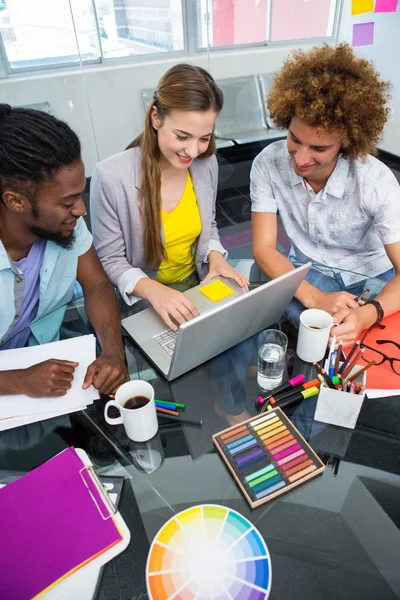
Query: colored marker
x=300 y=388
x=177 y=404
x=288 y=385
x=167 y=405
x=167 y=411
x=299 y=396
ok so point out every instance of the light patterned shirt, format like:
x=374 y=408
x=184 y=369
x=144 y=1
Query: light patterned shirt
x=344 y=226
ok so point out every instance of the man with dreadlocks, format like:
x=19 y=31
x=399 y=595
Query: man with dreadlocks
x=44 y=248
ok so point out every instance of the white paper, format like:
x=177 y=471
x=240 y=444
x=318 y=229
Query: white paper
x=381 y=393
x=14 y=422
x=80 y=349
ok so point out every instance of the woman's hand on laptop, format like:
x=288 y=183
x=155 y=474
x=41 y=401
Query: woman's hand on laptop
x=169 y=303
x=219 y=266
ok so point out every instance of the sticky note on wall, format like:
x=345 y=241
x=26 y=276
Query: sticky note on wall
x=359 y=7
x=386 y=6
x=363 y=34
x=216 y=291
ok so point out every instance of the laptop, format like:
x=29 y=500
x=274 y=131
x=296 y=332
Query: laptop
x=219 y=326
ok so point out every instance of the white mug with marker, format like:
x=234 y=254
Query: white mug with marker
x=136 y=405
x=314 y=330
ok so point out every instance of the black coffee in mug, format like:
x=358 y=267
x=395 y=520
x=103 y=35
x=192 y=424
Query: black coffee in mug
x=136 y=402
x=314 y=327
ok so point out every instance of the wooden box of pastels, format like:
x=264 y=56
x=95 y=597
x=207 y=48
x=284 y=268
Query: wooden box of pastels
x=341 y=408
x=267 y=456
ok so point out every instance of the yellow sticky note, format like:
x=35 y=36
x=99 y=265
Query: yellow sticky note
x=216 y=291
x=361 y=6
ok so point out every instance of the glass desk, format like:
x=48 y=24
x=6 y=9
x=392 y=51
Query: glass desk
x=336 y=537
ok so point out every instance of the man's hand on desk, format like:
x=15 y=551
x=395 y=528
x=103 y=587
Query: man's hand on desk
x=52 y=377
x=106 y=373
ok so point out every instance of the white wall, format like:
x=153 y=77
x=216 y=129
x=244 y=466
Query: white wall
x=115 y=102
x=384 y=53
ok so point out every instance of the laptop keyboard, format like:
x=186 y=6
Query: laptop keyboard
x=167 y=341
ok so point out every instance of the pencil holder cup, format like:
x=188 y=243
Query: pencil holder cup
x=340 y=408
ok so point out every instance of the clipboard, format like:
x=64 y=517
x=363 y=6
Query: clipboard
x=82 y=581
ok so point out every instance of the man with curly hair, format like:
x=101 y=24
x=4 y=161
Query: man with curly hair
x=339 y=205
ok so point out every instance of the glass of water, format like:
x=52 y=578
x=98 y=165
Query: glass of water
x=272 y=346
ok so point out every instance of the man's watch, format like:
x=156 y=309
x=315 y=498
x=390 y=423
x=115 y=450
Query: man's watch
x=379 y=309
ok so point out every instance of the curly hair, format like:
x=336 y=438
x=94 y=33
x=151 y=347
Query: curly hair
x=337 y=92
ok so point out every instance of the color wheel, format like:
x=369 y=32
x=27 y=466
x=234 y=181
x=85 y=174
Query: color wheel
x=208 y=552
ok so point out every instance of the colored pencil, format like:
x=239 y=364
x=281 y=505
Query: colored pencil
x=181 y=420
x=353 y=363
x=167 y=412
x=327 y=380
x=339 y=352
x=361 y=371
x=349 y=356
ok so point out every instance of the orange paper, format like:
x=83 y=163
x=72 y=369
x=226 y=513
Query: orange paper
x=382 y=377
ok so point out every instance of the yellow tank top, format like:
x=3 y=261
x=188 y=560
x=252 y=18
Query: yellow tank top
x=181 y=227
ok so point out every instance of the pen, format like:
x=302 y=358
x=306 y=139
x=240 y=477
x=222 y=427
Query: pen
x=181 y=420
x=365 y=293
x=331 y=361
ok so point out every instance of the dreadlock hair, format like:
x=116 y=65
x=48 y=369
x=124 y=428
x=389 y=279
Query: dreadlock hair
x=34 y=147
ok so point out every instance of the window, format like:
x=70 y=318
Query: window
x=40 y=33
x=132 y=27
x=37 y=34
x=244 y=22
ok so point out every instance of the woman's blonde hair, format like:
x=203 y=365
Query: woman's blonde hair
x=183 y=87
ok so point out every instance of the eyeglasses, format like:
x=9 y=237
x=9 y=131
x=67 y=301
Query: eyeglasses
x=373 y=354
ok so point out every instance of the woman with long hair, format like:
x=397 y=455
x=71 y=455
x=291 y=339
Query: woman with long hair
x=153 y=205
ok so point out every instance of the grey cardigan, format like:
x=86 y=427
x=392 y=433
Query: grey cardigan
x=117 y=224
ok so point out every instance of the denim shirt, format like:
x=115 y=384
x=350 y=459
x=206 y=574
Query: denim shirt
x=57 y=282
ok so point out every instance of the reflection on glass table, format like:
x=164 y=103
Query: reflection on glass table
x=335 y=537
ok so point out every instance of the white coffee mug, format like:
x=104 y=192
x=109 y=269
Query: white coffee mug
x=314 y=330
x=140 y=423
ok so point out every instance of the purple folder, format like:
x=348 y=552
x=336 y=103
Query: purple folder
x=50 y=525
